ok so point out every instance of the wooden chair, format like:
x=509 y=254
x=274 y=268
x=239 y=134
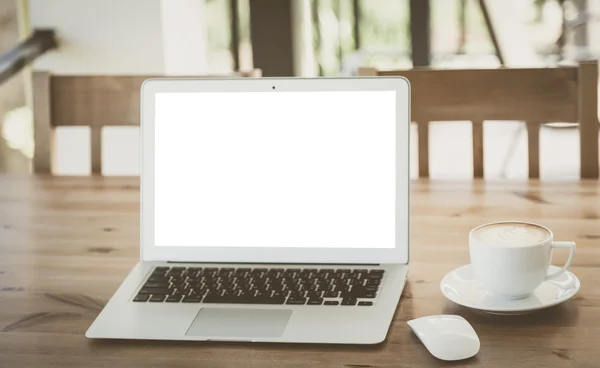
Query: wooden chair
x=94 y=101
x=535 y=96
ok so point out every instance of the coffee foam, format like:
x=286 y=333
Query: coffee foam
x=511 y=234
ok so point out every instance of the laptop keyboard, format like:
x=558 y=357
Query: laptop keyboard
x=292 y=286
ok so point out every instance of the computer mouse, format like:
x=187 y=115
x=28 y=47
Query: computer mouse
x=447 y=337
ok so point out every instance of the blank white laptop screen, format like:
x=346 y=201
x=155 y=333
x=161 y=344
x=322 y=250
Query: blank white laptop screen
x=275 y=169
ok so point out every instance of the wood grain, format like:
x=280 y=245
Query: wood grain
x=423 y=145
x=96 y=149
x=533 y=149
x=588 y=119
x=66 y=243
x=478 y=171
x=543 y=94
x=43 y=133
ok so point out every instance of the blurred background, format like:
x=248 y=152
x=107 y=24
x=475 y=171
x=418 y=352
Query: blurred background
x=306 y=38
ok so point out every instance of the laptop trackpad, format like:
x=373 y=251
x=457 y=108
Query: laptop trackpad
x=240 y=322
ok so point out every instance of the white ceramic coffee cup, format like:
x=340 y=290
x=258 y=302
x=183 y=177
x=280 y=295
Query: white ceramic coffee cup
x=514 y=272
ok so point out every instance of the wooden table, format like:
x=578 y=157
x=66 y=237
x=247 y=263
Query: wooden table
x=67 y=243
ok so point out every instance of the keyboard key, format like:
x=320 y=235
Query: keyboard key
x=194 y=274
x=283 y=294
x=296 y=294
x=258 y=275
x=198 y=291
x=156 y=285
x=174 y=299
x=320 y=275
x=339 y=274
x=156 y=298
x=331 y=294
x=380 y=272
x=358 y=274
x=191 y=299
x=312 y=272
x=141 y=298
x=373 y=282
x=296 y=301
x=315 y=301
x=158 y=279
x=365 y=303
x=180 y=292
x=274 y=275
x=315 y=288
x=262 y=294
x=343 y=288
x=349 y=301
x=159 y=273
x=364 y=292
x=303 y=274
x=264 y=300
x=154 y=291
x=226 y=272
x=291 y=272
x=329 y=288
x=276 y=300
x=331 y=302
x=313 y=295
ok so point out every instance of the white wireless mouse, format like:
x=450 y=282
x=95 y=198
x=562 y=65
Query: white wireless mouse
x=447 y=337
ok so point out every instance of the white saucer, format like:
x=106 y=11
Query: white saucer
x=460 y=287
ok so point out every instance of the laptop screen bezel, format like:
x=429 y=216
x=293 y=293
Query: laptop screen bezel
x=397 y=255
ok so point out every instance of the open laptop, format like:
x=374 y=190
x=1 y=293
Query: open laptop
x=272 y=210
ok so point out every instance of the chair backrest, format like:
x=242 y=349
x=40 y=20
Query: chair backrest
x=534 y=96
x=94 y=101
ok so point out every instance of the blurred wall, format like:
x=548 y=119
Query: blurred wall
x=123 y=36
x=99 y=36
x=184 y=37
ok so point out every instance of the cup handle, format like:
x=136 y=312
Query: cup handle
x=571 y=246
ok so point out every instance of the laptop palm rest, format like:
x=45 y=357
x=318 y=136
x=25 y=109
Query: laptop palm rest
x=240 y=322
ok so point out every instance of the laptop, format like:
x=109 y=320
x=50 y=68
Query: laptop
x=272 y=210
